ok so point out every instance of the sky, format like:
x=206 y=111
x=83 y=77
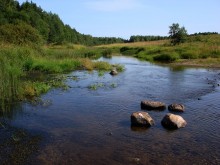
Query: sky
x=123 y=18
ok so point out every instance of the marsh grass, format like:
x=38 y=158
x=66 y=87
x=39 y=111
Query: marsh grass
x=95 y=86
x=17 y=62
x=11 y=66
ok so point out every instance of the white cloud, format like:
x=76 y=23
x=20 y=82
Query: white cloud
x=113 y=5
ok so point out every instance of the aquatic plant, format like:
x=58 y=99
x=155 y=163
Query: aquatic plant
x=95 y=86
x=113 y=85
x=101 y=73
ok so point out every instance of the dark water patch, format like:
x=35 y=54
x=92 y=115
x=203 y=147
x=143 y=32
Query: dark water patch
x=17 y=146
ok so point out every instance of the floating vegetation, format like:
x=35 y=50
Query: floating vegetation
x=113 y=85
x=119 y=67
x=101 y=73
x=74 y=78
x=96 y=86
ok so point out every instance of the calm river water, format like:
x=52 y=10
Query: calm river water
x=83 y=126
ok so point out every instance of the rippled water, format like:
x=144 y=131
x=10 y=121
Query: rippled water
x=84 y=126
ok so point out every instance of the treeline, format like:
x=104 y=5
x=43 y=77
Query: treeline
x=140 y=38
x=17 y=20
x=28 y=23
x=203 y=33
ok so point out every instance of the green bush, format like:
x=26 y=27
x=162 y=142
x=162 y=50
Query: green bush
x=107 y=53
x=215 y=53
x=19 y=34
x=131 y=51
x=166 y=57
x=189 y=54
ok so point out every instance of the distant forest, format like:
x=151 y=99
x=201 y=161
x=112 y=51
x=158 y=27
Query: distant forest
x=28 y=23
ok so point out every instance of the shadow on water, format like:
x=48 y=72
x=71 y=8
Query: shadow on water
x=10 y=110
x=16 y=145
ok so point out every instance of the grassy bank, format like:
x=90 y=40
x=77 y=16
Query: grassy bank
x=202 y=49
x=19 y=65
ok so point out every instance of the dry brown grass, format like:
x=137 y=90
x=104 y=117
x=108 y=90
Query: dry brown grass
x=137 y=44
x=209 y=62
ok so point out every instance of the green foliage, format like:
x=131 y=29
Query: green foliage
x=139 y=38
x=48 y=25
x=119 y=67
x=19 y=34
x=101 y=65
x=95 y=86
x=32 y=89
x=177 y=34
x=55 y=66
x=10 y=72
x=171 y=57
x=131 y=50
x=107 y=53
x=189 y=54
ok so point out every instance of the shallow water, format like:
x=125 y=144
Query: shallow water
x=84 y=126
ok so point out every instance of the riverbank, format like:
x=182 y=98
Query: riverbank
x=16 y=62
x=206 y=63
x=19 y=65
x=198 y=51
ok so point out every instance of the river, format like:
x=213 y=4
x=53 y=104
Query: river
x=86 y=126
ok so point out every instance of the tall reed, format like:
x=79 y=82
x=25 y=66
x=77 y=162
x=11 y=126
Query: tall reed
x=11 y=64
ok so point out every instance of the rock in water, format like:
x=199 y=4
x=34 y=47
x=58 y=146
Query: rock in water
x=176 y=107
x=172 y=121
x=152 y=105
x=141 y=119
x=114 y=72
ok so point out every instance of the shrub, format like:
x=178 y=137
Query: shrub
x=101 y=65
x=215 y=53
x=107 y=53
x=131 y=51
x=189 y=54
x=166 y=57
x=20 y=34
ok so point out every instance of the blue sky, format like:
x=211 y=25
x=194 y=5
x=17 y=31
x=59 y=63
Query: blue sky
x=123 y=18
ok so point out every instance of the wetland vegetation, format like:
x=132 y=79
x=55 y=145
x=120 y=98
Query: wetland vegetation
x=28 y=49
x=37 y=48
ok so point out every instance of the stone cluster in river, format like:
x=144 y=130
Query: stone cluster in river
x=170 y=121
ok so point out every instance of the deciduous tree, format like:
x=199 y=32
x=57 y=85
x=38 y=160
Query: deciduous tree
x=177 y=34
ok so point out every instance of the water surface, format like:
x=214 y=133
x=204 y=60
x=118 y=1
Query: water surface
x=84 y=126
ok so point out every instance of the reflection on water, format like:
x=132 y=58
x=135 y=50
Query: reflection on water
x=83 y=126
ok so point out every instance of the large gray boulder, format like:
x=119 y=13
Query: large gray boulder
x=176 y=107
x=152 y=105
x=141 y=119
x=172 y=121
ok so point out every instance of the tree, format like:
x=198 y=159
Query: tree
x=177 y=34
